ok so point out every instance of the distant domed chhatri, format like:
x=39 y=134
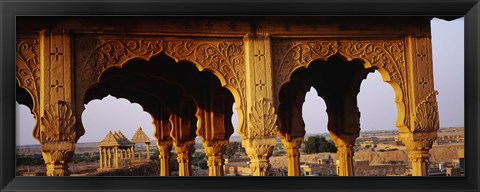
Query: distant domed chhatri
x=117 y=151
x=140 y=137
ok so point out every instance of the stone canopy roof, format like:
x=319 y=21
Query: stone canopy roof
x=115 y=139
x=140 y=137
x=122 y=140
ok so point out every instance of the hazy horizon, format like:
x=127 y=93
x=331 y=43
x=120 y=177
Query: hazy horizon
x=377 y=112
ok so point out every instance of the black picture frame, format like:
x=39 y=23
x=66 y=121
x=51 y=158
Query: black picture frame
x=10 y=9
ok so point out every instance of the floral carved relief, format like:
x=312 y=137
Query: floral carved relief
x=58 y=124
x=389 y=55
x=28 y=71
x=224 y=57
x=263 y=120
x=426 y=115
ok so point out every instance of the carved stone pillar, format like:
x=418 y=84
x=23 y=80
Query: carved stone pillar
x=214 y=151
x=104 y=153
x=148 y=151
x=419 y=160
x=418 y=146
x=183 y=149
x=293 y=155
x=133 y=152
x=345 y=157
x=59 y=129
x=100 y=155
x=345 y=153
x=164 y=149
x=109 y=162
x=423 y=122
x=116 y=157
x=259 y=138
x=57 y=155
x=259 y=151
x=57 y=138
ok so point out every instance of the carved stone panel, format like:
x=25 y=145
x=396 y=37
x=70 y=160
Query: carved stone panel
x=388 y=56
x=28 y=70
x=426 y=115
x=58 y=124
x=263 y=120
x=224 y=57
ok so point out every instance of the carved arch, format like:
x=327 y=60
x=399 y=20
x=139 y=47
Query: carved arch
x=223 y=57
x=386 y=56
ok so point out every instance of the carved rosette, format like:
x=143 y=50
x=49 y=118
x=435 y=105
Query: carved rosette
x=28 y=72
x=426 y=115
x=262 y=119
x=389 y=55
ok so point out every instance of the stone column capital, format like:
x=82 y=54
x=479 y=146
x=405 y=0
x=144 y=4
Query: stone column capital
x=419 y=156
x=57 y=155
x=259 y=151
x=183 y=149
x=164 y=148
x=294 y=143
x=418 y=141
x=292 y=147
x=215 y=147
x=344 y=139
x=345 y=151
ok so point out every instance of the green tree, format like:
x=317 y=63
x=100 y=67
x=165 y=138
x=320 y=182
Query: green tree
x=317 y=144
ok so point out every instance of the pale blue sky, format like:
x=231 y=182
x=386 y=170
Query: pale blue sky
x=375 y=100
